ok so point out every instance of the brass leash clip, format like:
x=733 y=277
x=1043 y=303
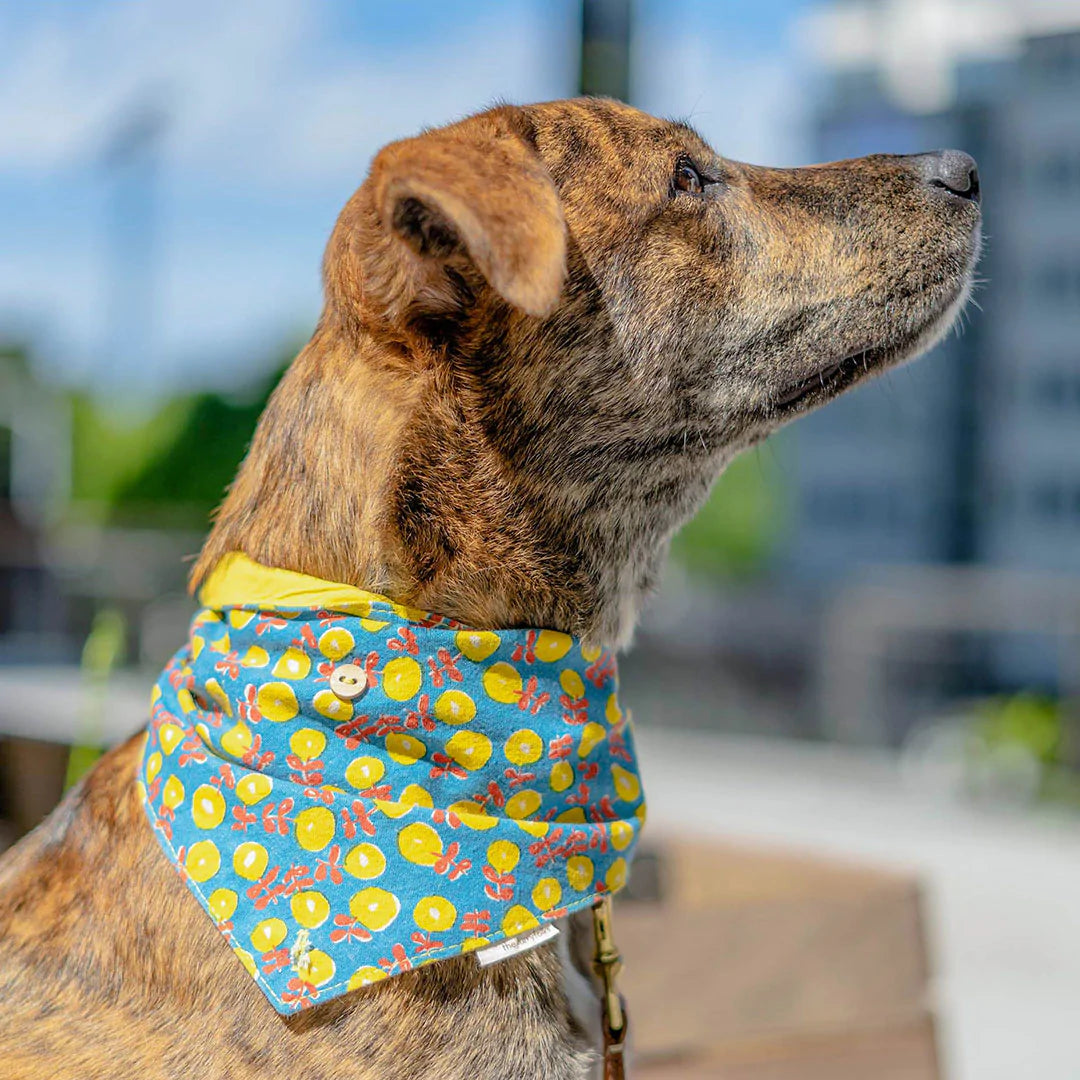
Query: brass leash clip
x=607 y=963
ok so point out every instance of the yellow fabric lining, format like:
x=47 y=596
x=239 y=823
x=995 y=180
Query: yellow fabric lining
x=239 y=581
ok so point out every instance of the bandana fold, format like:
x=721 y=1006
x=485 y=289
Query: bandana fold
x=352 y=788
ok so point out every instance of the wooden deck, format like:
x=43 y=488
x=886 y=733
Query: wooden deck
x=754 y=966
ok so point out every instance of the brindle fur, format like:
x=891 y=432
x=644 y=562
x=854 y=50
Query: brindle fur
x=535 y=357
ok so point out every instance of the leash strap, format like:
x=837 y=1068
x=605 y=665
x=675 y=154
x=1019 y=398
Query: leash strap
x=607 y=963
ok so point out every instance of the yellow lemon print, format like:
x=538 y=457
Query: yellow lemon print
x=420 y=844
x=533 y=828
x=473 y=943
x=253 y=787
x=523 y=747
x=277 y=701
x=268 y=934
x=524 y=804
x=572 y=684
x=411 y=795
x=562 y=775
x=503 y=855
x=552 y=645
x=222 y=904
x=314 y=828
x=579 y=872
x=255 y=657
x=640 y=814
x=153 y=766
x=170 y=737
x=328 y=704
x=360 y=608
x=310 y=909
x=238 y=618
x=612 y=712
x=476 y=645
x=374 y=908
x=433 y=913
x=622 y=832
x=203 y=860
x=502 y=683
x=409 y=614
x=402 y=678
x=247 y=960
x=292 y=664
x=172 y=793
x=237 y=740
x=591 y=652
x=365 y=861
x=315 y=967
x=187 y=702
x=365 y=976
x=615 y=878
x=249 y=860
x=454 y=707
x=207 y=807
x=415 y=795
x=364 y=772
x=307 y=743
x=473 y=815
x=519 y=919
x=469 y=749
x=627 y=785
x=546 y=894
x=336 y=643
x=197 y=646
x=404 y=749
x=218 y=696
x=591 y=736
x=575 y=815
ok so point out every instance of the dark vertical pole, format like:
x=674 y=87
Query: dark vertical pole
x=605 y=48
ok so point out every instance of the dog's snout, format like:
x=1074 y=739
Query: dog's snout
x=952 y=170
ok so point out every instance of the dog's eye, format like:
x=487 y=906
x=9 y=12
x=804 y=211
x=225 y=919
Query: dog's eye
x=687 y=178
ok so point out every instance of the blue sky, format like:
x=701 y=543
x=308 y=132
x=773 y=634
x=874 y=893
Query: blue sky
x=274 y=108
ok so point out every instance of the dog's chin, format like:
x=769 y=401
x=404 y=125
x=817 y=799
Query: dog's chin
x=835 y=378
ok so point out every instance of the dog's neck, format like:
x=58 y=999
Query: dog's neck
x=363 y=473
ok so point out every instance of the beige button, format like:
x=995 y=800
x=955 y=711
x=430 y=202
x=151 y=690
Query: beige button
x=348 y=681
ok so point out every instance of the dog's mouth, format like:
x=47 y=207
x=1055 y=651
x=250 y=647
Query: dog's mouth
x=826 y=382
x=831 y=381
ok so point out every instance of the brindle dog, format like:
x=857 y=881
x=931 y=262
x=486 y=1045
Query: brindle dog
x=547 y=329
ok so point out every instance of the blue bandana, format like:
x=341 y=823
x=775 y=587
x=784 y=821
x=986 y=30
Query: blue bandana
x=353 y=789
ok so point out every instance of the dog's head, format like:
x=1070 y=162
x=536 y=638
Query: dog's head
x=548 y=328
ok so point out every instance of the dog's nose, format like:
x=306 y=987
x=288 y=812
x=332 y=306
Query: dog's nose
x=952 y=170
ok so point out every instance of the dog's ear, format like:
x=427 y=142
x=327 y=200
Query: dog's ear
x=477 y=191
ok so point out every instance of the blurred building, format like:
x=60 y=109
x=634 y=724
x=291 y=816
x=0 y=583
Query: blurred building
x=973 y=454
x=35 y=468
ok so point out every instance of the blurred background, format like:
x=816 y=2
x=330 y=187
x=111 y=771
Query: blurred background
x=879 y=695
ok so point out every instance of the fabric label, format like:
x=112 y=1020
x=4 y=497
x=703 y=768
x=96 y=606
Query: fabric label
x=503 y=950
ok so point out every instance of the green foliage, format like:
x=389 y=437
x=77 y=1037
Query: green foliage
x=109 y=446
x=184 y=478
x=1025 y=720
x=736 y=531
